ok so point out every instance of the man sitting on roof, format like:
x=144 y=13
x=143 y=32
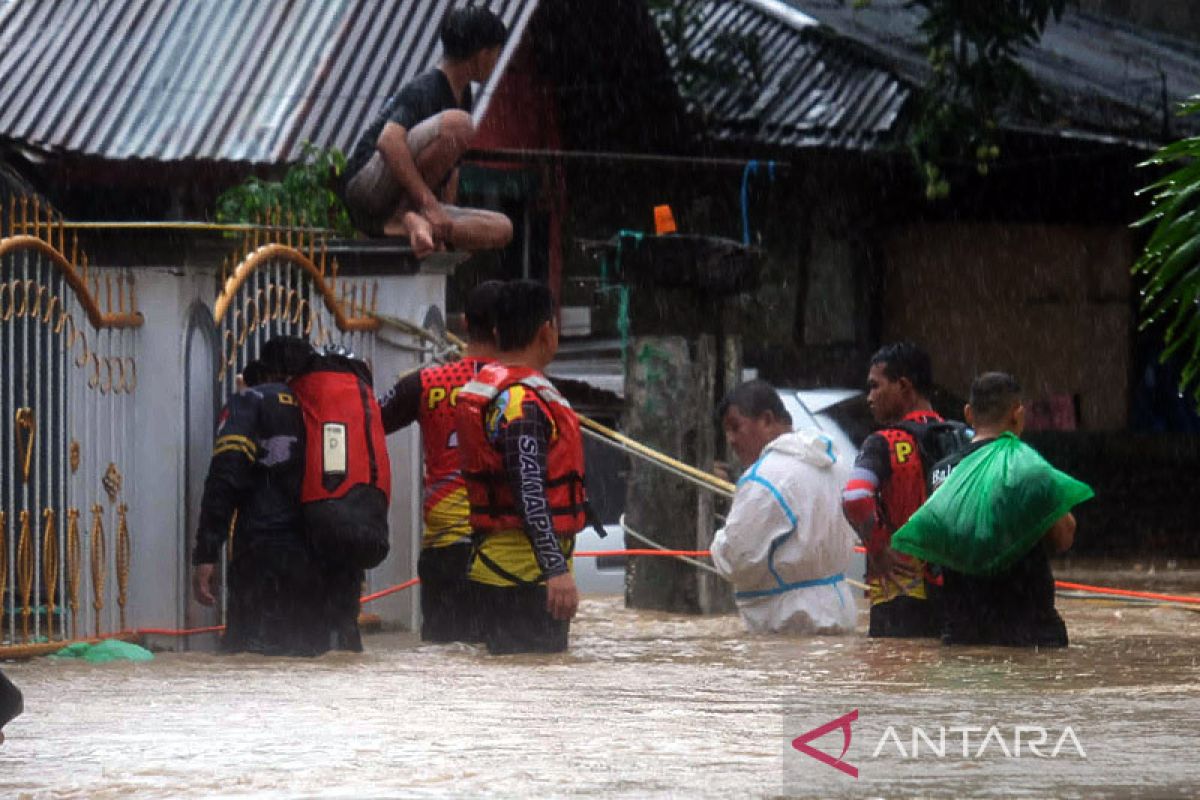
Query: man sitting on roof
x=402 y=176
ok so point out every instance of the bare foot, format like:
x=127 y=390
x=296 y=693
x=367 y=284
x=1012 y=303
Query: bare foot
x=420 y=234
x=417 y=229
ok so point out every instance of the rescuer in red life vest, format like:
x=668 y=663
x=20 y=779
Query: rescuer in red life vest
x=429 y=397
x=282 y=599
x=888 y=484
x=522 y=457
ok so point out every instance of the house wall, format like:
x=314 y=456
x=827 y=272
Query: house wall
x=1050 y=304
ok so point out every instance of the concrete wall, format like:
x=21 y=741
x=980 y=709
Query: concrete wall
x=1051 y=304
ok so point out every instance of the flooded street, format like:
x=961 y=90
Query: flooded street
x=645 y=705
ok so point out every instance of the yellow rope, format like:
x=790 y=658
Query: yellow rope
x=98 y=573
x=50 y=566
x=124 y=556
x=74 y=565
x=182 y=226
x=712 y=481
x=25 y=570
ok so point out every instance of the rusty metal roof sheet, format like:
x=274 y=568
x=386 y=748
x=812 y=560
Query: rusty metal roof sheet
x=810 y=90
x=212 y=80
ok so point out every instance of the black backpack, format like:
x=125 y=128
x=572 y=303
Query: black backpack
x=937 y=441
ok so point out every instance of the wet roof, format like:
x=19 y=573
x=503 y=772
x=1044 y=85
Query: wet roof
x=211 y=80
x=249 y=82
x=835 y=76
x=1103 y=77
x=812 y=90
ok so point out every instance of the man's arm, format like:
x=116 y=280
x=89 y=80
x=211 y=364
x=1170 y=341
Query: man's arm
x=525 y=441
x=230 y=476
x=401 y=406
x=1061 y=535
x=756 y=518
x=860 y=504
x=393 y=149
x=860 y=496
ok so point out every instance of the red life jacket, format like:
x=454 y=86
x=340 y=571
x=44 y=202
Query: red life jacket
x=904 y=492
x=347 y=474
x=440 y=386
x=492 y=505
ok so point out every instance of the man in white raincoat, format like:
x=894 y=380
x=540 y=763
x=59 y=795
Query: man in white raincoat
x=786 y=545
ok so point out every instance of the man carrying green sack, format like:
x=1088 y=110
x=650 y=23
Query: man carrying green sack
x=999 y=510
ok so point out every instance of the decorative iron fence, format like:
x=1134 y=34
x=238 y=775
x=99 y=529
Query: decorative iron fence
x=69 y=368
x=70 y=450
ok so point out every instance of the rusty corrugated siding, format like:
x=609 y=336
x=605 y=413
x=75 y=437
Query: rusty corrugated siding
x=813 y=92
x=243 y=81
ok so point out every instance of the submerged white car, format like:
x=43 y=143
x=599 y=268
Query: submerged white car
x=833 y=412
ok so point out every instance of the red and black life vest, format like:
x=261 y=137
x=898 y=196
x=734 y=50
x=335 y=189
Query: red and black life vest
x=492 y=504
x=347 y=475
x=904 y=492
x=440 y=386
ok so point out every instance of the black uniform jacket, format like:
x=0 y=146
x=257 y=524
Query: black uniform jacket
x=257 y=468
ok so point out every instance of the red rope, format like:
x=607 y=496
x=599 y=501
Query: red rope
x=390 y=590
x=1079 y=587
x=1170 y=598
x=688 y=553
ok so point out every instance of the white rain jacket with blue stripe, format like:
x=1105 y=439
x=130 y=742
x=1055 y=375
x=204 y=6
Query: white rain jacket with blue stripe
x=786 y=545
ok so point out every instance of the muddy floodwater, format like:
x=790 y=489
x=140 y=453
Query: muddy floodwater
x=644 y=705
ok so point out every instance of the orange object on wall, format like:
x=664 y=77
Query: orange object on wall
x=664 y=220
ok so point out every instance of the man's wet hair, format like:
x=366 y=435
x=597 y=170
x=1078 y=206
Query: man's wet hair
x=467 y=30
x=284 y=356
x=522 y=307
x=753 y=399
x=993 y=395
x=256 y=373
x=906 y=360
x=480 y=311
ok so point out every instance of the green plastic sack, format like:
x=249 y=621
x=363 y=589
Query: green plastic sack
x=996 y=504
x=105 y=651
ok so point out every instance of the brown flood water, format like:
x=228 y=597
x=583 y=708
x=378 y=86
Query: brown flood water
x=644 y=705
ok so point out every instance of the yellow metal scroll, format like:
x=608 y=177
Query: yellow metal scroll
x=42 y=233
x=74 y=565
x=99 y=575
x=346 y=301
x=25 y=570
x=26 y=434
x=50 y=567
x=124 y=557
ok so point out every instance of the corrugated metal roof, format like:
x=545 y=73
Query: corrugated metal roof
x=213 y=80
x=814 y=91
x=1103 y=77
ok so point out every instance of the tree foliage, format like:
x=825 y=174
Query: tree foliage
x=305 y=193
x=972 y=48
x=1170 y=262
